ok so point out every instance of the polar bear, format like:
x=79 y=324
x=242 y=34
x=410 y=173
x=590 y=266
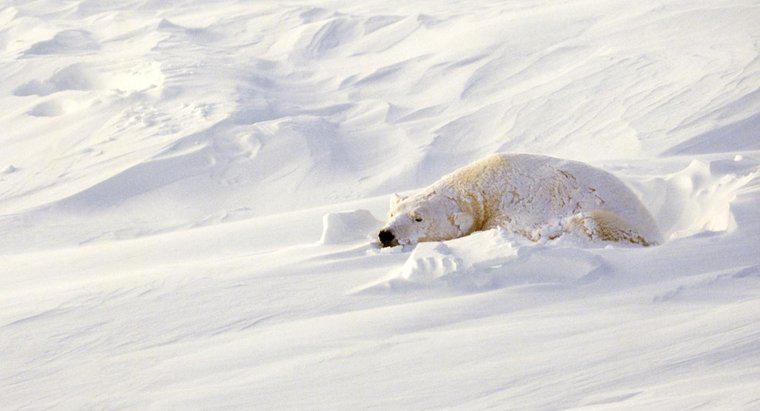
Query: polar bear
x=532 y=195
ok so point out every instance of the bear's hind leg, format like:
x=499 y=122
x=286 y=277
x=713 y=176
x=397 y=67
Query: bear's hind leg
x=605 y=226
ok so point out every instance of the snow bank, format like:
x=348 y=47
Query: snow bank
x=348 y=226
x=698 y=198
x=487 y=260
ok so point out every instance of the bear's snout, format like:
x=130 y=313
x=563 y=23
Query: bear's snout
x=386 y=238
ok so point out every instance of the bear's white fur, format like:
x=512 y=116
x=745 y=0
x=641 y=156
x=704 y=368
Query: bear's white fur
x=532 y=195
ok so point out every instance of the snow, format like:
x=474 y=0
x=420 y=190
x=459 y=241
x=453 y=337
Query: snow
x=488 y=260
x=348 y=226
x=182 y=189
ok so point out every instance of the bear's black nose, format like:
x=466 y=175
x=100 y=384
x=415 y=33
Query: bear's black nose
x=386 y=237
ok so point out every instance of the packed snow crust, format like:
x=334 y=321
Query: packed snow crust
x=182 y=186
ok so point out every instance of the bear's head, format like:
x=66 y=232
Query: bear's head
x=428 y=216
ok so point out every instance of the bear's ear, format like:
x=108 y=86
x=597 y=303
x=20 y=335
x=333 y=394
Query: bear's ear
x=395 y=199
x=464 y=222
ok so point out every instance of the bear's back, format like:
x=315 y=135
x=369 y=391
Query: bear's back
x=553 y=188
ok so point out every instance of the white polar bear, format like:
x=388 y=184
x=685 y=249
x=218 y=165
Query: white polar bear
x=532 y=195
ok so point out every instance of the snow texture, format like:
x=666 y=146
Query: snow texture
x=167 y=166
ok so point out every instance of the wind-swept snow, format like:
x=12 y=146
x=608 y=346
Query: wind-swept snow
x=179 y=183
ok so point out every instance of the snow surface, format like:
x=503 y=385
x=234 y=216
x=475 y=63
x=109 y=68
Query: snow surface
x=166 y=167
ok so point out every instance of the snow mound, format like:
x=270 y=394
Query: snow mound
x=66 y=42
x=488 y=260
x=54 y=107
x=74 y=77
x=10 y=169
x=347 y=226
x=141 y=77
x=698 y=198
